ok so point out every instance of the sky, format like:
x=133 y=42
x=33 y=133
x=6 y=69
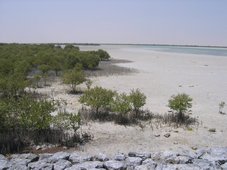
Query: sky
x=190 y=22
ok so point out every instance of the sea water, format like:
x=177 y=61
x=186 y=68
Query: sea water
x=216 y=51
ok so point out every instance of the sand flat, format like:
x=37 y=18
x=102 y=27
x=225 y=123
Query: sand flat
x=160 y=75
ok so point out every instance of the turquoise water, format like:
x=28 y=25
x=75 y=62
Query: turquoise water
x=216 y=51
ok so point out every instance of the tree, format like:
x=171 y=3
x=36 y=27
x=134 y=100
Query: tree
x=44 y=69
x=137 y=99
x=97 y=98
x=180 y=104
x=74 y=77
x=121 y=104
x=37 y=79
x=66 y=121
x=35 y=114
x=103 y=55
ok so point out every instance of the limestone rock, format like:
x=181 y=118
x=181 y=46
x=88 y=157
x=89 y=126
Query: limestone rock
x=180 y=166
x=2 y=157
x=114 y=165
x=62 y=164
x=167 y=135
x=57 y=156
x=76 y=158
x=3 y=164
x=40 y=165
x=133 y=161
x=120 y=157
x=44 y=156
x=86 y=165
x=145 y=167
x=101 y=157
x=140 y=155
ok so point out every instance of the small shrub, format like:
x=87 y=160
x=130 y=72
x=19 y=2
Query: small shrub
x=97 y=98
x=137 y=99
x=180 y=104
x=74 y=78
x=121 y=104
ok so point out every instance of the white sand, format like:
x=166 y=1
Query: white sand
x=161 y=75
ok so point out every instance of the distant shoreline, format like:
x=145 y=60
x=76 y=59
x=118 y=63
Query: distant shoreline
x=132 y=44
x=164 y=45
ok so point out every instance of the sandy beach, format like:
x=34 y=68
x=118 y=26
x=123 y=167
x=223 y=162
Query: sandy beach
x=159 y=75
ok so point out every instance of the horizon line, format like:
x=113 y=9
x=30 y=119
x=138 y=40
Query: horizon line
x=92 y=43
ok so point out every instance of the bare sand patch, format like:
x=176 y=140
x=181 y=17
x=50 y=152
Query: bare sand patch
x=159 y=76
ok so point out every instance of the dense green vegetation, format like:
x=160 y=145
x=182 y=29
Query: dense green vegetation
x=97 y=98
x=24 y=116
x=17 y=61
x=124 y=109
x=181 y=104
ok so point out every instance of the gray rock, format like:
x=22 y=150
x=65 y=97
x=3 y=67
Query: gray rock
x=179 y=160
x=145 y=167
x=149 y=162
x=180 y=166
x=76 y=158
x=62 y=164
x=18 y=161
x=40 y=165
x=29 y=156
x=218 y=155
x=224 y=166
x=101 y=157
x=205 y=164
x=57 y=156
x=162 y=156
x=3 y=164
x=201 y=152
x=219 y=151
x=188 y=153
x=133 y=161
x=120 y=157
x=18 y=167
x=44 y=156
x=2 y=157
x=167 y=135
x=86 y=165
x=141 y=155
x=114 y=165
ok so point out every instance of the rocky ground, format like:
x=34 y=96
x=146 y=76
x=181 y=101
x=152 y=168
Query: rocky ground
x=213 y=158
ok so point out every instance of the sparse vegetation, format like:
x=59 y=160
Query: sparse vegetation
x=180 y=104
x=221 y=107
x=97 y=98
x=73 y=78
x=137 y=100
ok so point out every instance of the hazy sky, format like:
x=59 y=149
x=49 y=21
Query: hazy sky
x=202 y=22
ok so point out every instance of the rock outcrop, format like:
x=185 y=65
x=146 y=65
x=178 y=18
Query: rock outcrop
x=213 y=158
